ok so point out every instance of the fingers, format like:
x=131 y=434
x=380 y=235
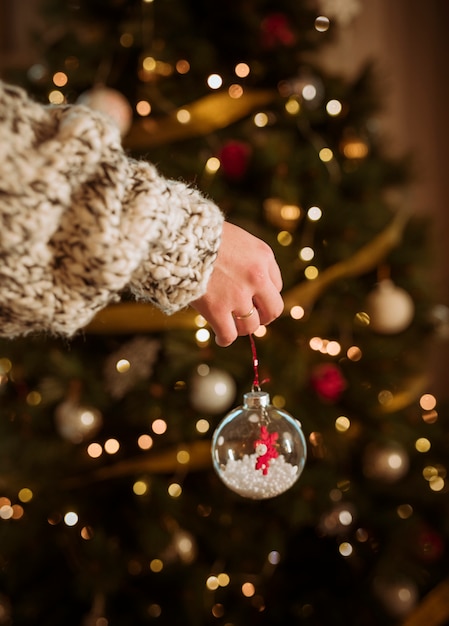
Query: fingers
x=244 y=289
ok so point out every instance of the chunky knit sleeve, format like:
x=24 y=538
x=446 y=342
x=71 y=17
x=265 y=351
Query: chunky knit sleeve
x=80 y=222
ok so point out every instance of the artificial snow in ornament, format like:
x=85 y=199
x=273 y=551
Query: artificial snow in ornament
x=258 y=451
x=390 y=308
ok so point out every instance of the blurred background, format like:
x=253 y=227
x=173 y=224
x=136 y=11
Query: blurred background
x=321 y=127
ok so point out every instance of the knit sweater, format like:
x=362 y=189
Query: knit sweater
x=80 y=222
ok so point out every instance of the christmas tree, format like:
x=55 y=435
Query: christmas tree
x=111 y=512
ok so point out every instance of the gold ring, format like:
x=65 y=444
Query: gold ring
x=244 y=317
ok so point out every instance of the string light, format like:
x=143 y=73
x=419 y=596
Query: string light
x=94 y=450
x=427 y=402
x=87 y=533
x=311 y=272
x=56 y=97
x=292 y=106
x=214 y=81
x=183 y=457
x=71 y=518
x=284 y=238
x=156 y=565
x=112 y=446
x=200 y=321
x=140 y=487
x=354 y=353
x=183 y=116
x=202 y=336
x=212 y=583
x=342 y=424
x=182 y=66
x=297 y=312
x=306 y=254
x=143 y=108
x=242 y=70
x=174 y=490
x=212 y=166
x=235 y=91
x=345 y=549
x=261 y=120
x=422 y=444
x=314 y=213
x=334 y=107
x=25 y=495
x=274 y=558
x=223 y=579
x=145 y=442
x=202 y=426
x=404 y=511
x=248 y=590
x=60 y=79
x=33 y=398
x=126 y=40
x=159 y=426
x=326 y=155
x=309 y=92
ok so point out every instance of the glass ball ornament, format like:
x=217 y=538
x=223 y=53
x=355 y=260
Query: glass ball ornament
x=258 y=451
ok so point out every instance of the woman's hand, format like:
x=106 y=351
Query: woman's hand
x=244 y=289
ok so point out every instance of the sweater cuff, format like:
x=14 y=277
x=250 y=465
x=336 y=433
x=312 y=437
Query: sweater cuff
x=180 y=254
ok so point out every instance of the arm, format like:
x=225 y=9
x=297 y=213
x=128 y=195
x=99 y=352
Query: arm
x=81 y=222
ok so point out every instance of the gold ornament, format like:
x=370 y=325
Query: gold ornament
x=205 y=116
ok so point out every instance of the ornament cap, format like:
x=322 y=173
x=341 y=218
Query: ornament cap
x=256 y=399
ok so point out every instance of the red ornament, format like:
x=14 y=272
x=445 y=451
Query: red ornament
x=328 y=382
x=234 y=158
x=276 y=31
x=430 y=545
x=265 y=449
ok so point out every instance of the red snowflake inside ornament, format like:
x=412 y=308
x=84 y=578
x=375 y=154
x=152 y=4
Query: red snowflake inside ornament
x=265 y=449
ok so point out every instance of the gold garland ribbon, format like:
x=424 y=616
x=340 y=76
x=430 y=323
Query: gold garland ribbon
x=132 y=317
x=204 y=116
x=433 y=609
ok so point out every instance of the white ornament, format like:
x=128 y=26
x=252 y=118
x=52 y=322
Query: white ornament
x=398 y=596
x=75 y=422
x=212 y=390
x=385 y=462
x=390 y=308
x=111 y=103
x=342 y=11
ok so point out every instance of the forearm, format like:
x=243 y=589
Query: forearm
x=81 y=222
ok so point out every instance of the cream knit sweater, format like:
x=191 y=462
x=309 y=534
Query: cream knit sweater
x=80 y=222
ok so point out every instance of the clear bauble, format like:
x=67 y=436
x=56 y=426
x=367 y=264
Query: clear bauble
x=258 y=451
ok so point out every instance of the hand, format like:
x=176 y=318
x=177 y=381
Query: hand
x=244 y=289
